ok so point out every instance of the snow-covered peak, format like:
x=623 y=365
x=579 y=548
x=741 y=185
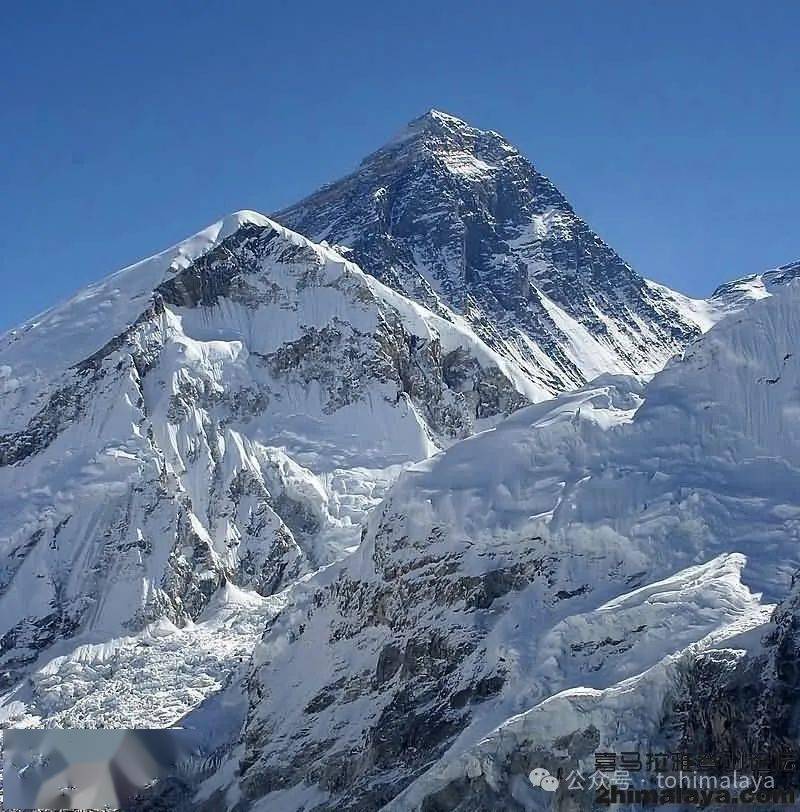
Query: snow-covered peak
x=440 y=134
x=34 y=353
x=73 y=329
x=434 y=118
x=730 y=297
x=439 y=122
x=440 y=116
x=456 y=218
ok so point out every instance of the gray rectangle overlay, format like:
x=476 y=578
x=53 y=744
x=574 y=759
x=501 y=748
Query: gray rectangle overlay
x=84 y=769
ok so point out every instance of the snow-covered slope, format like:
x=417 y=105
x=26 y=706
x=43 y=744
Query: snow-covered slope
x=738 y=294
x=544 y=581
x=457 y=219
x=730 y=297
x=224 y=412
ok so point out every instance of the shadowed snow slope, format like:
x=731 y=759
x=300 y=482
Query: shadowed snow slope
x=586 y=545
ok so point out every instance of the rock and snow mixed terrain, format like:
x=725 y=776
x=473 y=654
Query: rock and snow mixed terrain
x=458 y=219
x=235 y=428
x=540 y=581
x=343 y=457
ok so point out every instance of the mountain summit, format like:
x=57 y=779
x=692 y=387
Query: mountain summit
x=458 y=219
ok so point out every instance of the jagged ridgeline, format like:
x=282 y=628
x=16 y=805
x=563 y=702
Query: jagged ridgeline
x=212 y=438
x=457 y=219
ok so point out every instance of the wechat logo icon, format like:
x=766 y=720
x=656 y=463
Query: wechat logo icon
x=540 y=777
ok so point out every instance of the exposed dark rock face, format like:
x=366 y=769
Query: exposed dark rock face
x=22 y=644
x=63 y=408
x=409 y=645
x=740 y=704
x=459 y=220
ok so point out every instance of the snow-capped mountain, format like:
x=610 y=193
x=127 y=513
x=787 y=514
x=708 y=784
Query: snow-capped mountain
x=222 y=413
x=457 y=219
x=226 y=411
x=540 y=591
x=344 y=444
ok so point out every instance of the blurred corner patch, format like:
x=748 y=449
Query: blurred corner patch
x=80 y=769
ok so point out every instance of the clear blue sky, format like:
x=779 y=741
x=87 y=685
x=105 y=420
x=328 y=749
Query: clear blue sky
x=671 y=126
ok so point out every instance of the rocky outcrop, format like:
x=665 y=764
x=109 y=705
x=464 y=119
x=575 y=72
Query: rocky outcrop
x=742 y=703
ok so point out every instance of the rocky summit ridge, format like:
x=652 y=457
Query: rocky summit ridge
x=458 y=219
